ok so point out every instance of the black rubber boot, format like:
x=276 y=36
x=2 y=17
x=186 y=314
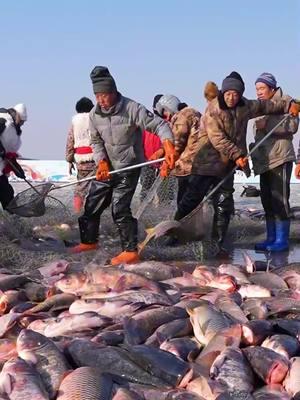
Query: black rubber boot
x=89 y=230
x=128 y=232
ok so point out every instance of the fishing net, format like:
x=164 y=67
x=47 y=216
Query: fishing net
x=34 y=202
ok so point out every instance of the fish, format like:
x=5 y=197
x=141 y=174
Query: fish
x=49 y=362
x=10 y=299
x=163 y=364
x=112 y=309
x=59 y=301
x=7 y=350
x=109 y=338
x=271 y=393
x=270 y=366
x=157 y=231
x=173 y=329
x=232 y=369
x=20 y=381
x=255 y=332
x=112 y=360
x=86 y=383
x=140 y=326
x=207 y=320
x=228 y=306
x=226 y=337
x=125 y=394
x=268 y=280
x=291 y=382
x=185 y=348
x=153 y=270
x=75 y=323
x=105 y=279
x=285 y=345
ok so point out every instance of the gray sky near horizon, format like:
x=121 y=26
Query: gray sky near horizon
x=49 y=48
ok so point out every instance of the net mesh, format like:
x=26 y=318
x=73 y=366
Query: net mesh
x=26 y=243
x=33 y=202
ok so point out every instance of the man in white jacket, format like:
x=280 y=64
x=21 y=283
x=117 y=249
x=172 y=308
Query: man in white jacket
x=11 y=120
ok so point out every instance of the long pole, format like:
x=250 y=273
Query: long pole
x=215 y=189
x=116 y=171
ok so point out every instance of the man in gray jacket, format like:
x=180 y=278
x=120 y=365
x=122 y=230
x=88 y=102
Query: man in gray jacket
x=116 y=126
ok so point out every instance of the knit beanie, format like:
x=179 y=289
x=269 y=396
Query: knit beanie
x=233 y=81
x=102 y=80
x=268 y=79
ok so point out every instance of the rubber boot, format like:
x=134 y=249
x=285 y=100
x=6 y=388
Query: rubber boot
x=271 y=236
x=219 y=230
x=126 y=257
x=89 y=230
x=81 y=247
x=77 y=204
x=282 y=237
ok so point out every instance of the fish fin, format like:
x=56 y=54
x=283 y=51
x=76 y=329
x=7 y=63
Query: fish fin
x=250 y=264
x=161 y=338
x=6 y=383
x=3 y=306
x=29 y=357
x=193 y=354
x=120 y=284
x=150 y=231
x=136 y=306
x=190 y=311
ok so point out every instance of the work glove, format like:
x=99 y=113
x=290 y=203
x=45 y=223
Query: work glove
x=71 y=168
x=294 y=109
x=16 y=167
x=164 y=170
x=241 y=162
x=157 y=154
x=170 y=153
x=297 y=171
x=102 y=173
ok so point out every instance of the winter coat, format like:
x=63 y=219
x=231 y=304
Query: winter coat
x=185 y=127
x=222 y=137
x=278 y=148
x=151 y=143
x=10 y=135
x=116 y=134
x=78 y=147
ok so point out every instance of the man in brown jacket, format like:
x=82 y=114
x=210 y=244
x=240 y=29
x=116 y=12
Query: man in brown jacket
x=222 y=145
x=184 y=122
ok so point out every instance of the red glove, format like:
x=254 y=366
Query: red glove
x=164 y=170
x=157 y=154
x=242 y=162
x=294 y=109
x=102 y=173
x=170 y=153
x=297 y=171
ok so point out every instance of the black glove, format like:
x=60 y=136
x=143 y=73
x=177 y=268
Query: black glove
x=16 y=167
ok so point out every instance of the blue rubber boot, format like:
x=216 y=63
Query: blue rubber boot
x=282 y=237
x=271 y=236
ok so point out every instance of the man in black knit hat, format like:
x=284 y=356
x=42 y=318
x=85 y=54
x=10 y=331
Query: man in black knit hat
x=116 y=126
x=222 y=145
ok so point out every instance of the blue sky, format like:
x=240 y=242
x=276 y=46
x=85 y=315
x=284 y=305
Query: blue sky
x=48 y=49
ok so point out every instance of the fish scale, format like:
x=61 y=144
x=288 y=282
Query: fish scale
x=85 y=383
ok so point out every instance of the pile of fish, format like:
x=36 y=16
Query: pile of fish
x=152 y=331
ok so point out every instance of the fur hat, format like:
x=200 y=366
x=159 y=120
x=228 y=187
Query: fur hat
x=211 y=90
x=21 y=110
